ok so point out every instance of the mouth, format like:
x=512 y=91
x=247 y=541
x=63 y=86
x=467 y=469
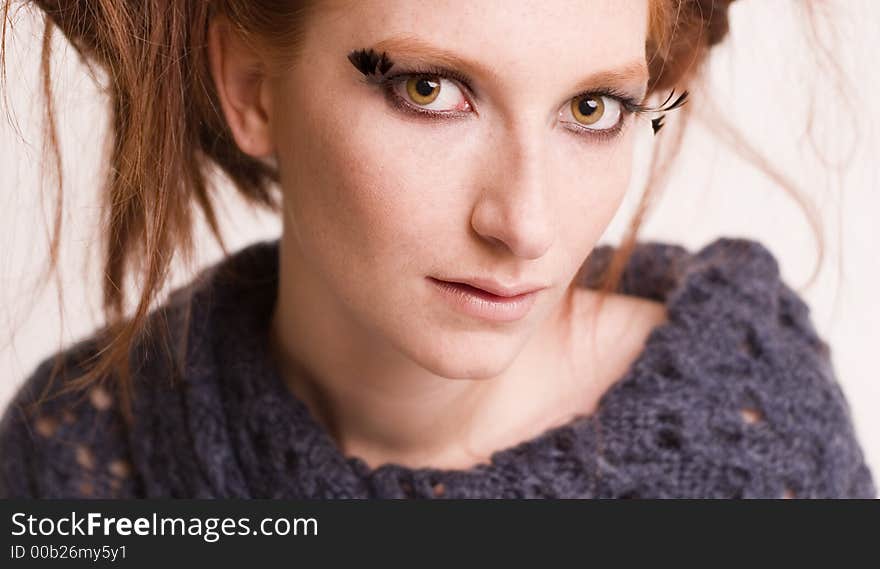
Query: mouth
x=495 y=289
x=480 y=303
x=481 y=292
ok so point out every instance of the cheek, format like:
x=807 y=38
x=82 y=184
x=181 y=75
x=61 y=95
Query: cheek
x=596 y=180
x=360 y=191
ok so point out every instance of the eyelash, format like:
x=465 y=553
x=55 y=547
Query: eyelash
x=629 y=106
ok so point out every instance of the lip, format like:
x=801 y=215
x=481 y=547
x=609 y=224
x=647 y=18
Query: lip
x=481 y=303
x=497 y=289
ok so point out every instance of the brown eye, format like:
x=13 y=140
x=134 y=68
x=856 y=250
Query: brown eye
x=422 y=89
x=588 y=109
x=430 y=94
x=593 y=112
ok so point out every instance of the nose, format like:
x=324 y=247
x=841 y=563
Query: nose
x=514 y=208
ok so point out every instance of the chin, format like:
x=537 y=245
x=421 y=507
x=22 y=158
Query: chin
x=464 y=356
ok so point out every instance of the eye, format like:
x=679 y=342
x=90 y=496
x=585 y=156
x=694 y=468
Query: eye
x=594 y=112
x=430 y=94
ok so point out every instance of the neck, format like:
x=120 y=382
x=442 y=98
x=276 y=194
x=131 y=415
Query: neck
x=380 y=405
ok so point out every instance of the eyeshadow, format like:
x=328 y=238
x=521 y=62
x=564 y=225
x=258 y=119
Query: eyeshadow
x=373 y=64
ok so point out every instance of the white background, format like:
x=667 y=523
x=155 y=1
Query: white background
x=762 y=80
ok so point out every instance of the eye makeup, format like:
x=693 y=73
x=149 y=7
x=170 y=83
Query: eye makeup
x=375 y=68
x=368 y=62
x=388 y=84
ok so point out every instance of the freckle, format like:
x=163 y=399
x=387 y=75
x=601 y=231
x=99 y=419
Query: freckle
x=46 y=426
x=68 y=417
x=120 y=468
x=788 y=494
x=86 y=488
x=84 y=457
x=100 y=398
x=750 y=416
x=115 y=483
x=439 y=489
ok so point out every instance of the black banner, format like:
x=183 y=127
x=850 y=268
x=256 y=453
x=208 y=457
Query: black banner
x=135 y=533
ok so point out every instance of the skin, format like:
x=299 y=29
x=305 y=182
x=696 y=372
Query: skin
x=375 y=200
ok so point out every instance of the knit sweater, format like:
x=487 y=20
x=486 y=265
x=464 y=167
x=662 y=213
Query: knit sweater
x=734 y=396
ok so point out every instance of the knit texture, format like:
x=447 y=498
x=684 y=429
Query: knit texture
x=734 y=396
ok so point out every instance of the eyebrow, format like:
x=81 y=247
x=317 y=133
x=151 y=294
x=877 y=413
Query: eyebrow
x=633 y=72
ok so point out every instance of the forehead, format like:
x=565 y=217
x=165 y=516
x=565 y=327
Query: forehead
x=546 y=37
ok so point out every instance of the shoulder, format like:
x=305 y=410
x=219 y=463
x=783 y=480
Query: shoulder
x=64 y=445
x=790 y=409
x=57 y=443
x=739 y=388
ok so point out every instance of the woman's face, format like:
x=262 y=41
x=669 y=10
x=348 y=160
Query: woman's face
x=505 y=187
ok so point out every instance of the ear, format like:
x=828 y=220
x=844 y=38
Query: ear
x=244 y=95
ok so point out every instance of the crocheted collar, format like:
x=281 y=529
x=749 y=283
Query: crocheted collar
x=252 y=437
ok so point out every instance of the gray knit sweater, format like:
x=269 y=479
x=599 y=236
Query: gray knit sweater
x=733 y=397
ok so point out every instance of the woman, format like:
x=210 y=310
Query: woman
x=436 y=319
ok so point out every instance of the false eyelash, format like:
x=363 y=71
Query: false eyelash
x=368 y=62
x=657 y=123
x=637 y=108
x=629 y=104
x=374 y=66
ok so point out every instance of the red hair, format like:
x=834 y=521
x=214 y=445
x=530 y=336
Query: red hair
x=167 y=132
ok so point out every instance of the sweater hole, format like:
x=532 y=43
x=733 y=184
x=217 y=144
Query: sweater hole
x=786 y=319
x=290 y=460
x=439 y=489
x=86 y=488
x=751 y=345
x=46 y=426
x=84 y=457
x=668 y=370
x=750 y=415
x=732 y=437
x=715 y=276
x=670 y=418
x=788 y=493
x=407 y=488
x=100 y=399
x=68 y=417
x=698 y=295
x=538 y=491
x=120 y=468
x=563 y=443
x=668 y=439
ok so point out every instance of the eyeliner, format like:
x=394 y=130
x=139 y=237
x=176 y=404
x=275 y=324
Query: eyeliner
x=374 y=66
